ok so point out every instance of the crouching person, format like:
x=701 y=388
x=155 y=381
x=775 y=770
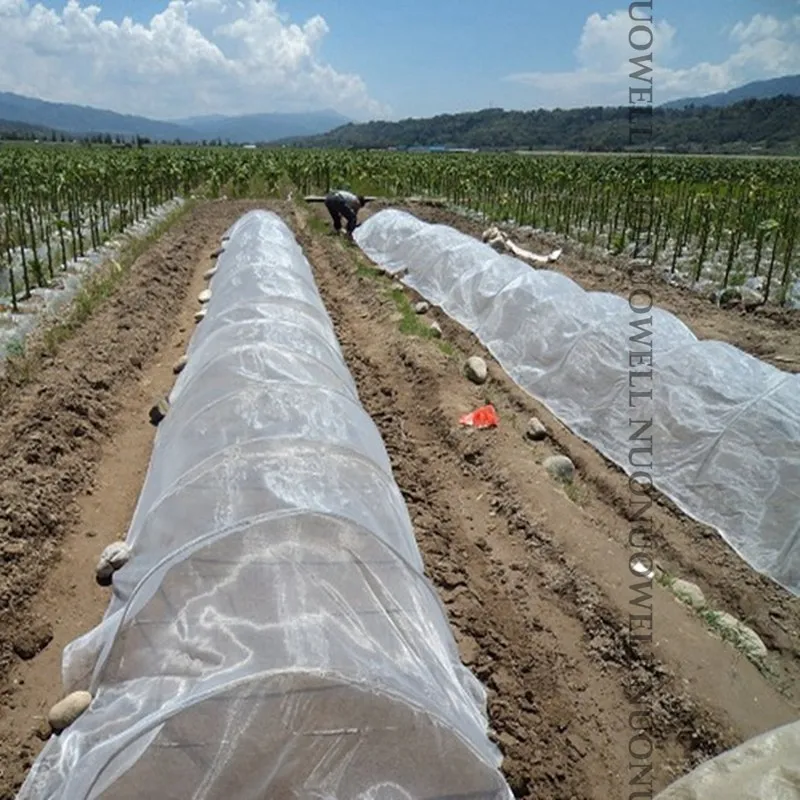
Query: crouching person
x=342 y=204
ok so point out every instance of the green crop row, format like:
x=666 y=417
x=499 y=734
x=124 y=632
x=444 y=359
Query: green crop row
x=715 y=220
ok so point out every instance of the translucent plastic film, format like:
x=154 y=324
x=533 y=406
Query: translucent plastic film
x=273 y=635
x=764 y=768
x=725 y=426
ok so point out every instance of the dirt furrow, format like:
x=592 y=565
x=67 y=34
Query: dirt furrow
x=557 y=706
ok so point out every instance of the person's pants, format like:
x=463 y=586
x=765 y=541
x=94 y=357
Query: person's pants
x=337 y=208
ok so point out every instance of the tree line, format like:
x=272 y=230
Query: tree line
x=772 y=125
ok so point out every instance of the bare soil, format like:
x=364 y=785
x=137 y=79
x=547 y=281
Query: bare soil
x=535 y=577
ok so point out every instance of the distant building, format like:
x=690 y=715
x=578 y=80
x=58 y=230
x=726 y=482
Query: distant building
x=436 y=148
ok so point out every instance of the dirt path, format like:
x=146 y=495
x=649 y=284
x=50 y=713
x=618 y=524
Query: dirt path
x=76 y=445
x=537 y=583
x=769 y=333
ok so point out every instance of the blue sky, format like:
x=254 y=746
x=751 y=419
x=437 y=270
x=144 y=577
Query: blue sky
x=385 y=59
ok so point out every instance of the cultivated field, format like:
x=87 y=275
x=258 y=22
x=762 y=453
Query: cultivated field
x=708 y=223
x=534 y=574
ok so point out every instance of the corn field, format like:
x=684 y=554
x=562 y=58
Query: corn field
x=713 y=222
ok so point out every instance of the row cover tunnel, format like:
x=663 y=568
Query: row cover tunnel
x=713 y=428
x=273 y=634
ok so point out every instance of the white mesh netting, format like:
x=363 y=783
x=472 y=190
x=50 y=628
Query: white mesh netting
x=273 y=634
x=766 y=767
x=726 y=426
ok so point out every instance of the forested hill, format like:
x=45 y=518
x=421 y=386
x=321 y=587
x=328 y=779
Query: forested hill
x=771 y=125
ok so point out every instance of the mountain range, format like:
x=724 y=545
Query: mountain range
x=762 y=116
x=31 y=113
x=595 y=128
x=757 y=90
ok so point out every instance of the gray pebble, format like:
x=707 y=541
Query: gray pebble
x=159 y=411
x=751 y=298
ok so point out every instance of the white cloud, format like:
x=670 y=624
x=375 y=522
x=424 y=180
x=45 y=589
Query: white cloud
x=765 y=47
x=192 y=58
x=759 y=28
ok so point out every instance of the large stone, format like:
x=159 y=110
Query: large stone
x=436 y=330
x=204 y=296
x=498 y=244
x=180 y=364
x=476 y=370
x=422 y=307
x=729 y=297
x=209 y=274
x=561 y=468
x=200 y=315
x=66 y=711
x=746 y=639
x=688 y=593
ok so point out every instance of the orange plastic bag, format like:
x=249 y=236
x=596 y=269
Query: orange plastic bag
x=484 y=417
